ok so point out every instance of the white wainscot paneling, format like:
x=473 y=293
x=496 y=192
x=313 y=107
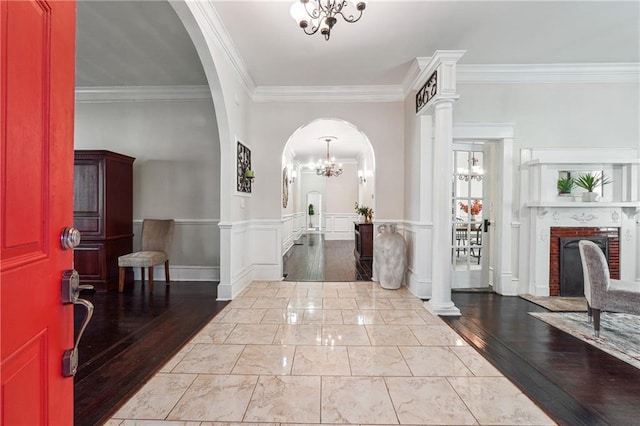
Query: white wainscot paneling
x=339 y=226
x=292 y=226
x=265 y=249
x=418 y=237
x=240 y=260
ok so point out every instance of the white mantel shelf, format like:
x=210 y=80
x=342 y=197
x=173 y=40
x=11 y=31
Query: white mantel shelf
x=592 y=205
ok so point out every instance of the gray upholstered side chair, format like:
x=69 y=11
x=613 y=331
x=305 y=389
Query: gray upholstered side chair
x=156 y=244
x=603 y=293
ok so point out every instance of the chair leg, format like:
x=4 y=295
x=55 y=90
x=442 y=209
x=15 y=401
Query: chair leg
x=142 y=274
x=166 y=272
x=589 y=314
x=596 y=321
x=150 y=279
x=121 y=280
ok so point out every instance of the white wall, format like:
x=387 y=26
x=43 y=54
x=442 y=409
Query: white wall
x=342 y=191
x=557 y=115
x=273 y=123
x=366 y=189
x=544 y=115
x=176 y=173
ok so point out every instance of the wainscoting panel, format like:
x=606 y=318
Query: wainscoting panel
x=292 y=227
x=240 y=259
x=339 y=226
x=418 y=237
x=265 y=244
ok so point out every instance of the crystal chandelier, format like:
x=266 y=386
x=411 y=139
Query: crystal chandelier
x=314 y=15
x=328 y=167
x=476 y=173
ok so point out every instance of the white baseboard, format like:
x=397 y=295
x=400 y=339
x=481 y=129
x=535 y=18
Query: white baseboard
x=421 y=289
x=183 y=273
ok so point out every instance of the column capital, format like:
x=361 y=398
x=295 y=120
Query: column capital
x=437 y=80
x=445 y=102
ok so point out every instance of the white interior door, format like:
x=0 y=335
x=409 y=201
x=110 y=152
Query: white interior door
x=470 y=189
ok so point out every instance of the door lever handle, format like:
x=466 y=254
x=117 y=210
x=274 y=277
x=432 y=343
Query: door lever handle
x=486 y=224
x=70 y=294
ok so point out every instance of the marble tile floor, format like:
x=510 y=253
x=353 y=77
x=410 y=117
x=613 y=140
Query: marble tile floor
x=303 y=353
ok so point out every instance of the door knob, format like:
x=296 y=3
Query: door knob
x=69 y=238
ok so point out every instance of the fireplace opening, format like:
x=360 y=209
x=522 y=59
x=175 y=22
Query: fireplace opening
x=571 y=278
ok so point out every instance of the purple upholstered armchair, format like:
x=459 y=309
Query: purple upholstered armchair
x=603 y=293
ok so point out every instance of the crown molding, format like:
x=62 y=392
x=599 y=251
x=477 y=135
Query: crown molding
x=550 y=73
x=466 y=74
x=389 y=93
x=227 y=45
x=530 y=73
x=106 y=94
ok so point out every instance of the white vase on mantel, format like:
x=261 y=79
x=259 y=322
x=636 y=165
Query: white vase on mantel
x=589 y=197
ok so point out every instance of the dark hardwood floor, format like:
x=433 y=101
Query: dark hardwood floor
x=313 y=258
x=130 y=336
x=574 y=382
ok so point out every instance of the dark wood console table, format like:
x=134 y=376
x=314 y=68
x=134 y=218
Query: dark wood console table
x=364 y=240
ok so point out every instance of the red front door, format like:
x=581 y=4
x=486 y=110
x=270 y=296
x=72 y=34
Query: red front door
x=37 y=40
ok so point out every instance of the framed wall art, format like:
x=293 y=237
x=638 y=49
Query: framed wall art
x=244 y=173
x=285 y=187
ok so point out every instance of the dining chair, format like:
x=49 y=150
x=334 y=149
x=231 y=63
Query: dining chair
x=157 y=235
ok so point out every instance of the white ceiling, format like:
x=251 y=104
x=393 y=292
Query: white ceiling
x=143 y=43
x=379 y=48
x=309 y=144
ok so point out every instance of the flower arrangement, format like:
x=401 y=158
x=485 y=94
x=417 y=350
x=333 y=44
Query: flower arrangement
x=476 y=207
x=365 y=211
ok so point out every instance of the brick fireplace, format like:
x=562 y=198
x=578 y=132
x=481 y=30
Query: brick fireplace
x=556 y=233
x=548 y=223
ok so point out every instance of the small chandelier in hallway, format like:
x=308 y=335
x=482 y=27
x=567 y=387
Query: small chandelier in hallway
x=314 y=15
x=475 y=173
x=328 y=167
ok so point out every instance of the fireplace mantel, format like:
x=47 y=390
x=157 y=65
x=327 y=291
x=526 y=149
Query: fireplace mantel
x=597 y=204
x=542 y=209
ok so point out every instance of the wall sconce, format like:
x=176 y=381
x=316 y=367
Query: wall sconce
x=363 y=178
x=294 y=175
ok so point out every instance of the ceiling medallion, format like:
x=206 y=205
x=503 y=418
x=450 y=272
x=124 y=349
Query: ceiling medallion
x=314 y=15
x=327 y=168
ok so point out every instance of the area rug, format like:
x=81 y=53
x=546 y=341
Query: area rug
x=619 y=333
x=558 y=303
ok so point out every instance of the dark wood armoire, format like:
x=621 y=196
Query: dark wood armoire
x=103 y=213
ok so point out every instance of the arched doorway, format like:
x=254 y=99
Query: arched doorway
x=313 y=149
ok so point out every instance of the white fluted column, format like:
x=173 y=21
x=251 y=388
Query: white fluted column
x=440 y=302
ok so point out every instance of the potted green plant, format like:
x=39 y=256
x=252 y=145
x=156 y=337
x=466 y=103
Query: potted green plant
x=365 y=211
x=566 y=185
x=591 y=181
x=311 y=212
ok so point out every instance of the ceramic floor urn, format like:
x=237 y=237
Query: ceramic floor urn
x=390 y=259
